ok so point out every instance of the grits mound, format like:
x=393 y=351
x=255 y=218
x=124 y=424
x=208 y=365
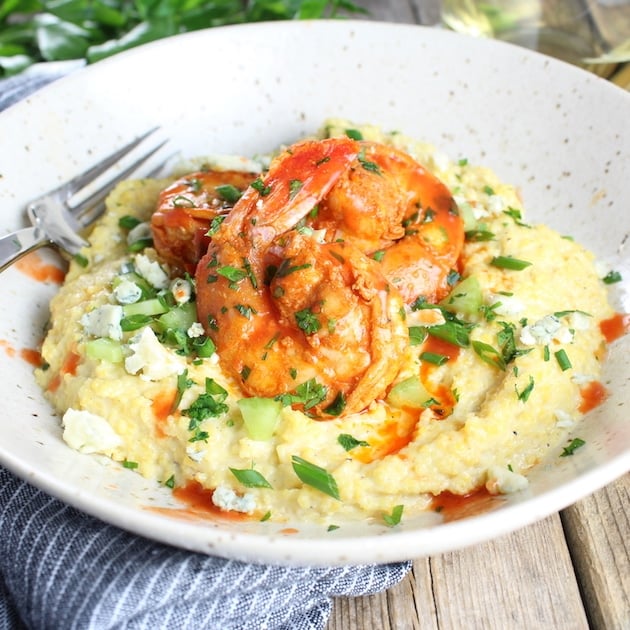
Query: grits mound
x=494 y=406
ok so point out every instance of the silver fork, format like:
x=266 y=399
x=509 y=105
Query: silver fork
x=55 y=221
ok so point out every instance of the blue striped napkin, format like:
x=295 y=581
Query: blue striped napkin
x=62 y=570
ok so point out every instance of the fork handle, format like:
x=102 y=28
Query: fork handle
x=16 y=244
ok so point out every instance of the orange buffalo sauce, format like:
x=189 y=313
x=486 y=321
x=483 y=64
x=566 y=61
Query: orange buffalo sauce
x=69 y=367
x=615 y=327
x=199 y=502
x=593 y=394
x=453 y=507
x=32 y=356
x=34 y=267
x=162 y=406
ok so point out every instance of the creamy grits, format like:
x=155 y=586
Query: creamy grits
x=491 y=381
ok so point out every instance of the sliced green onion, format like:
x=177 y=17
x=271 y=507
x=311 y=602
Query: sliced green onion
x=455 y=332
x=393 y=519
x=434 y=358
x=128 y=222
x=204 y=347
x=354 y=134
x=315 y=476
x=563 y=360
x=417 y=335
x=229 y=193
x=250 y=478
x=134 y=322
x=507 y=262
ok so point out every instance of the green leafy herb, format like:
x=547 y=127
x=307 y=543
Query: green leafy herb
x=507 y=262
x=54 y=30
x=434 y=358
x=354 y=134
x=128 y=222
x=81 y=260
x=572 y=447
x=233 y=274
x=309 y=393
x=131 y=465
x=332 y=528
x=315 y=476
x=307 y=321
x=417 y=335
x=259 y=185
x=393 y=519
x=295 y=185
x=611 y=277
x=515 y=214
x=348 y=442
x=373 y=167
x=524 y=395
x=489 y=354
x=250 y=478
x=337 y=405
x=170 y=482
x=229 y=193
x=208 y=405
x=183 y=383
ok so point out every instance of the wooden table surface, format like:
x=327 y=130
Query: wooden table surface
x=569 y=571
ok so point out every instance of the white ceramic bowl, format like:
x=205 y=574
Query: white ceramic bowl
x=557 y=132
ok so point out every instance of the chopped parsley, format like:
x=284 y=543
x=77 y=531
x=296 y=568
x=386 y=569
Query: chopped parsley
x=307 y=321
x=572 y=447
x=309 y=394
x=612 y=277
x=348 y=442
x=259 y=186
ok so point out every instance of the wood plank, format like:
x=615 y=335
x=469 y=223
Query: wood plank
x=598 y=534
x=523 y=580
x=520 y=581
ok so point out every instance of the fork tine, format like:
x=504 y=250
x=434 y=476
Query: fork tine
x=99 y=195
x=77 y=183
x=87 y=213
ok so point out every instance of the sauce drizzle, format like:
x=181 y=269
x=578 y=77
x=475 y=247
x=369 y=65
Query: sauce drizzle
x=615 y=327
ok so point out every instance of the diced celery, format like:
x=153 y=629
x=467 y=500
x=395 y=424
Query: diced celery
x=104 y=350
x=468 y=217
x=261 y=416
x=147 y=307
x=465 y=298
x=179 y=318
x=409 y=393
